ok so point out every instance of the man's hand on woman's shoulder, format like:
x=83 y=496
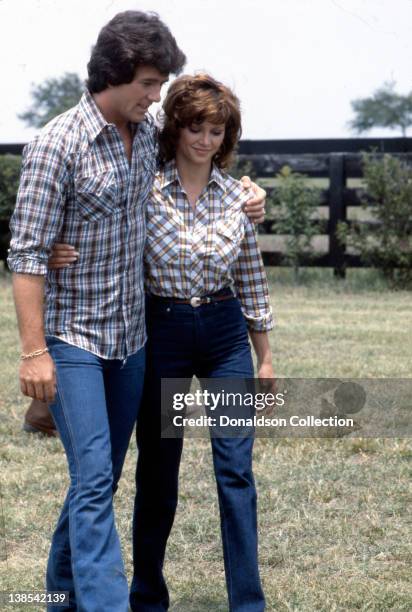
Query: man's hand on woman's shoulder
x=255 y=207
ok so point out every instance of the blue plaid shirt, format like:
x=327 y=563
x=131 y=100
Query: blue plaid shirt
x=78 y=187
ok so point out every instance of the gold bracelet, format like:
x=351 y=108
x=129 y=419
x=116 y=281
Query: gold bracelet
x=34 y=354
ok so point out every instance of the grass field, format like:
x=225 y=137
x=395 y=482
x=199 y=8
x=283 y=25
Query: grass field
x=333 y=514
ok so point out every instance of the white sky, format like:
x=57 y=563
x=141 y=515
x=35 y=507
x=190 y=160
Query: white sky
x=295 y=64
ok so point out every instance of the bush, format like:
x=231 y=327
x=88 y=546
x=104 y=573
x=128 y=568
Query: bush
x=296 y=202
x=9 y=182
x=386 y=242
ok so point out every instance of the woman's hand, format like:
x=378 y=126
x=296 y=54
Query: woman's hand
x=267 y=385
x=62 y=256
x=255 y=207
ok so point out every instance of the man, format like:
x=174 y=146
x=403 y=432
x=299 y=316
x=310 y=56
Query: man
x=84 y=182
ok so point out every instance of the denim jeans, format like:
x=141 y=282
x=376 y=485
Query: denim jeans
x=95 y=411
x=208 y=341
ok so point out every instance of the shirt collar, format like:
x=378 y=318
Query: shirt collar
x=95 y=123
x=217 y=178
x=171 y=175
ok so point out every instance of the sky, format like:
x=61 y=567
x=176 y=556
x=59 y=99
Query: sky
x=295 y=64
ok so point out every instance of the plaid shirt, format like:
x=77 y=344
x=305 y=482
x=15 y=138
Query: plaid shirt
x=77 y=187
x=194 y=253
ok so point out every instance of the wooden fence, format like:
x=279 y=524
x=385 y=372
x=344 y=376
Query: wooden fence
x=336 y=160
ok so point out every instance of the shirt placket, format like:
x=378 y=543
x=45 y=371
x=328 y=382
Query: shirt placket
x=200 y=221
x=133 y=202
x=181 y=201
x=125 y=170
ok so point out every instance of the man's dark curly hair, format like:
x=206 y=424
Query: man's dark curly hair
x=132 y=39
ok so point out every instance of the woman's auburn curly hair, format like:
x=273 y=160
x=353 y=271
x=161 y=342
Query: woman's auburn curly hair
x=194 y=99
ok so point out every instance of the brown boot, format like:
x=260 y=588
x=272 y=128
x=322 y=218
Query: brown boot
x=38 y=419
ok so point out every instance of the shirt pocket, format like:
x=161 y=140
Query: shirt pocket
x=223 y=240
x=162 y=239
x=97 y=196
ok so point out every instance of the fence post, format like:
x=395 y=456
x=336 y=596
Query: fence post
x=337 y=211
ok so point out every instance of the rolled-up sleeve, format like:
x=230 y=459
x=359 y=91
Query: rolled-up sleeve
x=38 y=215
x=251 y=283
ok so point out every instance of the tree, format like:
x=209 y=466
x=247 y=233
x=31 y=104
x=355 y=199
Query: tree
x=385 y=108
x=52 y=98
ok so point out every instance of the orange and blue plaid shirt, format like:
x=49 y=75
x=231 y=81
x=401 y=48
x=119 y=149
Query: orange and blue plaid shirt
x=78 y=187
x=198 y=252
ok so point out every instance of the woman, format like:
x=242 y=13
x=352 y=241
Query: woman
x=200 y=247
x=199 y=244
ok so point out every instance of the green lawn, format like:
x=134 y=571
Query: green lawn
x=333 y=514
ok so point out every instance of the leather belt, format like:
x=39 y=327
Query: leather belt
x=196 y=301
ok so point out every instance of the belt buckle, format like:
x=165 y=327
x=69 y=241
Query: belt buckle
x=195 y=301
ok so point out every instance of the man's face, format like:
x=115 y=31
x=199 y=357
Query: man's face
x=131 y=101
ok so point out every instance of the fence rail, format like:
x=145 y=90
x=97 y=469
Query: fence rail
x=335 y=159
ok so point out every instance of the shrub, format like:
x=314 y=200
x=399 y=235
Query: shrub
x=296 y=202
x=386 y=242
x=9 y=182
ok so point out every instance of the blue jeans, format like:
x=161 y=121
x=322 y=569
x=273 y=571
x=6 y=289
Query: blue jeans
x=95 y=411
x=208 y=341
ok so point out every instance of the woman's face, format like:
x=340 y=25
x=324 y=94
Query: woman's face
x=199 y=142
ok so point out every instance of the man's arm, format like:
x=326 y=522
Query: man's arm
x=36 y=222
x=37 y=374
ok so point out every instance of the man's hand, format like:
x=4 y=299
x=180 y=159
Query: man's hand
x=38 y=378
x=255 y=207
x=62 y=256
